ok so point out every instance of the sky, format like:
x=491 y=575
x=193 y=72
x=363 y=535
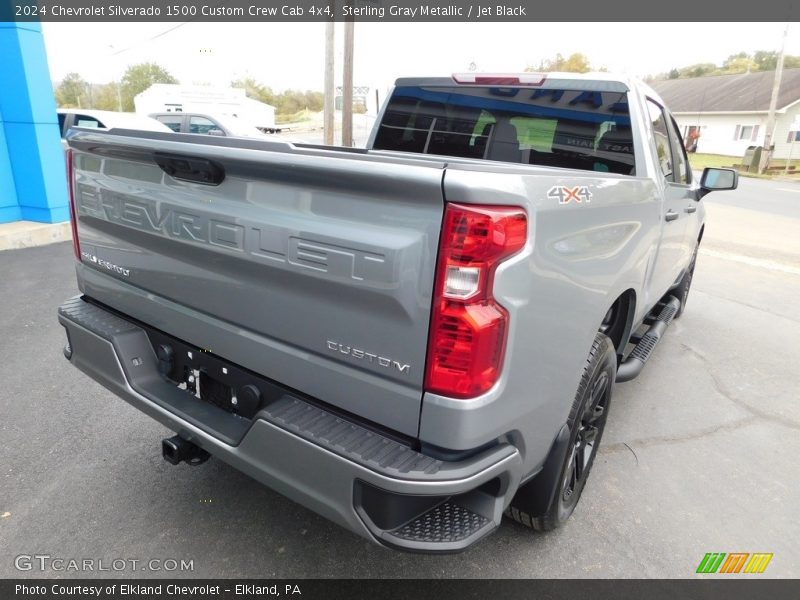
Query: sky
x=290 y=55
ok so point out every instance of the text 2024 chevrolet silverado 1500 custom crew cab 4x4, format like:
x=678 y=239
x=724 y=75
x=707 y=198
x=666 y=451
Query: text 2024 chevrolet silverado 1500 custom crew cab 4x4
x=409 y=339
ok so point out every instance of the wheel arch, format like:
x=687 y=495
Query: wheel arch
x=620 y=324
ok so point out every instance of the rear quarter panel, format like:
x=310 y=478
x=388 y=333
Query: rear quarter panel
x=578 y=259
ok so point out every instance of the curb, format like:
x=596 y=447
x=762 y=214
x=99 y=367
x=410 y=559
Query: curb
x=27 y=234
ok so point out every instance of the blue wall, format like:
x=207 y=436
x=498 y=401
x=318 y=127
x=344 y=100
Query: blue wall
x=33 y=185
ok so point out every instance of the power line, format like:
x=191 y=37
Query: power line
x=150 y=39
x=163 y=33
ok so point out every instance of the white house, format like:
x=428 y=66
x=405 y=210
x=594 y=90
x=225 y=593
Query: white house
x=167 y=97
x=730 y=111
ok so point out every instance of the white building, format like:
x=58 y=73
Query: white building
x=167 y=97
x=730 y=111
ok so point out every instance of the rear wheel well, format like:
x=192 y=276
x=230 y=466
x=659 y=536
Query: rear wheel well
x=618 y=320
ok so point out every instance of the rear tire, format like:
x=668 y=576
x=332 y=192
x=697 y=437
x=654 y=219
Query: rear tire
x=682 y=291
x=587 y=420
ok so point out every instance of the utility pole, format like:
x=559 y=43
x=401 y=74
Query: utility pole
x=118 y=82
x=347 y=85
x=328 y=107
x=773 y=102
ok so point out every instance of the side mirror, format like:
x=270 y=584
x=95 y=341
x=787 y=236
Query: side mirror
x=718 y=180
x=216 y=131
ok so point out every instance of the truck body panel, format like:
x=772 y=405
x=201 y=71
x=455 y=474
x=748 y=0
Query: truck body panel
x=324 y=268
x=315 y=276
x=571 y=266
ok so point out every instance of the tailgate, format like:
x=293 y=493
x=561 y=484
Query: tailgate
x=313 y=267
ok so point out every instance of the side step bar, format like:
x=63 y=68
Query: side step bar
x=636 y=360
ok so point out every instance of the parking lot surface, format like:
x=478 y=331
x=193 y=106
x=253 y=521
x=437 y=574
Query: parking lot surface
x=700 y=453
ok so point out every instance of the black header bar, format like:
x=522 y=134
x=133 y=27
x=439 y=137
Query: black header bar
x=411 y=11
x=385 y=589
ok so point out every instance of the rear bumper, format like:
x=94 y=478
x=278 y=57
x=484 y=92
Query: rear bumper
x=368 y=483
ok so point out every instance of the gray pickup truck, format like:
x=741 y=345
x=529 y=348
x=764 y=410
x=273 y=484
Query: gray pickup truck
x=411 y=339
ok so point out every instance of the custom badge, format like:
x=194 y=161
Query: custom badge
x=565 y=194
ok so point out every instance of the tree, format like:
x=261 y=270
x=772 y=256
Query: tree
x=255 y=90
x=104 y=96
x=768 y=60
x=72 y=92
x=287 y=102
x=138 y=78
x=698 y=70
x=574 y=63
x=314 y=100
x=739 y=63
x=290 y=102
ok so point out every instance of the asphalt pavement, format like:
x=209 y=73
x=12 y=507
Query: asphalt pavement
x=700 y=453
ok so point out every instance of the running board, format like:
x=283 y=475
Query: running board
x=636 y=360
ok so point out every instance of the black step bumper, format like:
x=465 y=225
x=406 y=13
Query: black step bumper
x=371 y=484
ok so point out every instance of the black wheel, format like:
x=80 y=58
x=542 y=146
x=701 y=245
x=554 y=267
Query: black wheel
x=682 y=291
x=587 y=420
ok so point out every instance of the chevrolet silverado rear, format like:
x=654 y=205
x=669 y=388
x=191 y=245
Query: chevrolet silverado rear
x=391 y=336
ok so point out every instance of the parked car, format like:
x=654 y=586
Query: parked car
x=411 y=339
x=206 y=124
x=104 y=119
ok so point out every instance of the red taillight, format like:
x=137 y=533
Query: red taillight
x=468 y=327
x=73 y=210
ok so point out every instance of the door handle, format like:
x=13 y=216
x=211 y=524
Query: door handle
x=671 y=215
x=690 y=209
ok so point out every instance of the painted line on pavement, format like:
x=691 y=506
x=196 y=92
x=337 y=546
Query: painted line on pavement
x=753 y=262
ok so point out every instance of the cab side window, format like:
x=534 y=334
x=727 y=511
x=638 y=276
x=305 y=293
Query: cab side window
x=201 y=125
x=174 y=122
x=658 y=122
x=683 y=172
x=87 y=121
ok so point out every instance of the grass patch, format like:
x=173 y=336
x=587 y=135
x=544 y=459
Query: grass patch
x=781 y=163
x=298 y=117
x=701 y=161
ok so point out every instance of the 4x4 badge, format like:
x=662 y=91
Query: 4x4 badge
x=565 y=194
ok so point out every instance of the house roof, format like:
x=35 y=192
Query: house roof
x=728 y=93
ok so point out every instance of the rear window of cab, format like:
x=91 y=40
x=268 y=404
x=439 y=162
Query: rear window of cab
x=575 y=129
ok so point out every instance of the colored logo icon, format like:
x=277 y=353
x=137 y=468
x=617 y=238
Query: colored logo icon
x=734 y=562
